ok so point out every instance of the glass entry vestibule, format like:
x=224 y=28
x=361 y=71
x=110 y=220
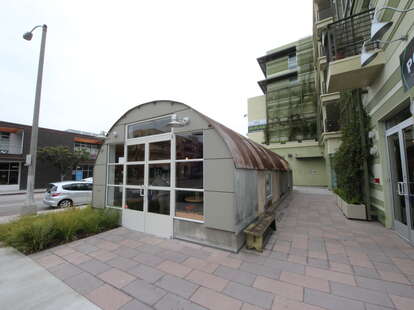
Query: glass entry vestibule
x=156 y=176
x=147 y=197
x=401 y=154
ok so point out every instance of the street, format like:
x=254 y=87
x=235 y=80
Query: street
x=11 y=204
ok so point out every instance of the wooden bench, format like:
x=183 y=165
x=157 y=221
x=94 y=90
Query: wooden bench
x=259 y=230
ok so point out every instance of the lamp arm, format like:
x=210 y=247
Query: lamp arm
x=391 y=8
x=38 y=26
x=403 y=38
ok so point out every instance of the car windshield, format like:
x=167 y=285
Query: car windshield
x=51 y=188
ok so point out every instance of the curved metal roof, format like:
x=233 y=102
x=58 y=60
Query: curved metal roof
x=246 y=153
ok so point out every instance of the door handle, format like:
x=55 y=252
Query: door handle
x=405 y=188
x=141 y=192
x=400 y=188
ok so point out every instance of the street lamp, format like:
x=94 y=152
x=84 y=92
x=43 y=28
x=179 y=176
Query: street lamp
x=378 y=29
x=29 y=206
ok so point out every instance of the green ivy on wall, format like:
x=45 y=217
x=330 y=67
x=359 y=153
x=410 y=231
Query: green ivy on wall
x=349 y=160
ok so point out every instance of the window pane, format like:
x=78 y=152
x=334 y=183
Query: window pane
x=4 y=166
x=189 y=205
x=135 y=174
x=149 y=128
x=189 y=146
x=115 y=151
x=4 y=177
x=159 y=202
x=114 y=197
x=159 y=175
x=160 y=150
x=189 y=175
x=268 y=185
x=136 y=152
x=14 y=166
x=14 y=177
x=116 y=174
x=134 y=199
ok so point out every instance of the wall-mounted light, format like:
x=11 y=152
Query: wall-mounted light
x=378 y=29
x=368 y=56
x=178 y=122
x=115 y=134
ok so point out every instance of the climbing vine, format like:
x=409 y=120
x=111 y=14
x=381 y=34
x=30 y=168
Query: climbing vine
x=348 y=160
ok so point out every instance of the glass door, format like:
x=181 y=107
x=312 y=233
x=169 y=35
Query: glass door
x=401 y=155
x=147 y=204
x=133 y=216
x=158 y=217
x=408 y=137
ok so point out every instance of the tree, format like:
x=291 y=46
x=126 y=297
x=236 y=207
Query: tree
x=62 y=158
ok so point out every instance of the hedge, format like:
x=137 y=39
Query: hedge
x=31 y=234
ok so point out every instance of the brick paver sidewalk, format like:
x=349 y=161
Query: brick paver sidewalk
x=316 y=260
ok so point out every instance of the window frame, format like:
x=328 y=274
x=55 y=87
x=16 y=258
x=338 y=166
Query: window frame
x=269 y=196
x=109 y=164
x=175 y=188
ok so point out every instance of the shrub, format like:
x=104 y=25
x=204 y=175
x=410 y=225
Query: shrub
x=35 y=233
x=349 y=159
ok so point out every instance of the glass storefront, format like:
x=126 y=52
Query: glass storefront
x=149 y=186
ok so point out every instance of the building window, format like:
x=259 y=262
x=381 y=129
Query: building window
x=82 y=172
x=292 y=61
x=268 y=186
x=189 y=192
x=9 y=173
x=149 y=128
x=114 y=197
x=115 y=178
x=91 y=148
x=4 y=142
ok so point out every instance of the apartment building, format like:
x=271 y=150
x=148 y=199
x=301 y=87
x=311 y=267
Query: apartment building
x=15 y=145
x=363 y=63
x=352 y=61
x=285 y=117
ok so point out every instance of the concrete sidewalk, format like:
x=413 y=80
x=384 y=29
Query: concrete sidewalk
x=26 y=285
x=21 y=192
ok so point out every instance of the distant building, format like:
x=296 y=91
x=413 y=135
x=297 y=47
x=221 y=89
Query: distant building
x=15 y=145
x=285 y=118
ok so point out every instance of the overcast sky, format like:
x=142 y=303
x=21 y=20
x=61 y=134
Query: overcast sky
x=105 y=57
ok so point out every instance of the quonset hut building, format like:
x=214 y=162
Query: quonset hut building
x=176 y=173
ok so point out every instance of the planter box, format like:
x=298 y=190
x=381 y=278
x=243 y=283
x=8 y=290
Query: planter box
x=351 y=211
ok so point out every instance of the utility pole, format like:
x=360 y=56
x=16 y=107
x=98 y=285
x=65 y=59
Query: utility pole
x=29 y=206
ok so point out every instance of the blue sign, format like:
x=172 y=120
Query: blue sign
x=78 y=175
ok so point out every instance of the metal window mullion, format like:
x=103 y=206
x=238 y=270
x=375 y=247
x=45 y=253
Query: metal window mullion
x=124 y=177
x=146 y=178
x=173 y=176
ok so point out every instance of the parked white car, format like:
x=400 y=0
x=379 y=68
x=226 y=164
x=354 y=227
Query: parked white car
x=68 y=193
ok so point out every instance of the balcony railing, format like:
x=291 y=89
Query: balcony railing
x=10 y=148
x=346 y=36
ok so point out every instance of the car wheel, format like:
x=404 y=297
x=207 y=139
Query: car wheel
x=65 y=203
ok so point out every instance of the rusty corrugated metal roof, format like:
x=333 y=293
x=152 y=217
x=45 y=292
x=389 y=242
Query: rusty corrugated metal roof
x=246 y=153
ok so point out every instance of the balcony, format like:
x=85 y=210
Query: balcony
x=343 y=48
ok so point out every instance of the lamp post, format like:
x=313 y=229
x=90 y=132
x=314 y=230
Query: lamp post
x=29 y=206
